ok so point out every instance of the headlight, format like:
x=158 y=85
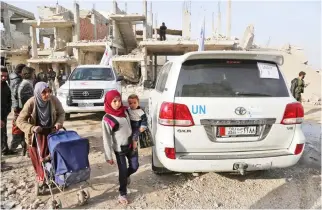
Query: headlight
x=63 y=93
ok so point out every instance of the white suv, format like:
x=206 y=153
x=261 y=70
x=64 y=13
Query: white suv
x=224 y=111
x=85 y=89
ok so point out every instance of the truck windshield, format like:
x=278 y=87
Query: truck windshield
x=101 y=74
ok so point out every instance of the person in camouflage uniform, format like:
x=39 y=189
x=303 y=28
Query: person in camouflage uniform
x=51 y=80
x=298 y=85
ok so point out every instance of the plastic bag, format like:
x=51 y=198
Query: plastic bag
x=145 y=139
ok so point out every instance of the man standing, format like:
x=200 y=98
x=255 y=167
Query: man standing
x=298 y=85
x=60 y=77
x=163 y=30
x=25 y=91
x=15 y=79
x=42 y=76
x=51 y=80
x=5 y=110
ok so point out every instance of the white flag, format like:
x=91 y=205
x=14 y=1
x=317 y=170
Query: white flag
x=201 y=45
x=108 y=54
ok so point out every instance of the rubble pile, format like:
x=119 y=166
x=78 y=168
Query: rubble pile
x=137 y=52
x=19 y=195
x=64 y=56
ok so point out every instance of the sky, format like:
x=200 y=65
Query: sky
x=295 y=22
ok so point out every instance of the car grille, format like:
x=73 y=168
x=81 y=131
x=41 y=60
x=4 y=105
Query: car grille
x=83 y=94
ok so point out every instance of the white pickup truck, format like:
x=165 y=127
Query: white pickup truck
x=86 y=87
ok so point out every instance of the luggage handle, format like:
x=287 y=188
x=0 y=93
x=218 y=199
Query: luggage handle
x=54 y=128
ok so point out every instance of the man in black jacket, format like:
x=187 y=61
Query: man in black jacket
x=5 y=110
x=163 y=31
x=25 y=92
x=42 y=76
x=15 y=79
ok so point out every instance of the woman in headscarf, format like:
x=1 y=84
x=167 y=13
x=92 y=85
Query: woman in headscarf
x=41 y=115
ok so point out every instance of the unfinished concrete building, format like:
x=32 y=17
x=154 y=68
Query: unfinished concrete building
x=15 y=38
x=151 y=49
x=80 y=36
x=61 y=26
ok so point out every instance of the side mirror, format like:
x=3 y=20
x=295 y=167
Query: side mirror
x=120 y=78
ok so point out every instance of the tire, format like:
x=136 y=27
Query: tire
x=159 y=170
x=67 y=116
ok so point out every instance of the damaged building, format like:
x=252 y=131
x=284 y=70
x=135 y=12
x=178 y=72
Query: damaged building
x=71 y=37
x=15 y=36
x=62 y=26
x=78 y=37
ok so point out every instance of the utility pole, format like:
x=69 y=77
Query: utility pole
x=156 y=26
x=218 y=21
x=213 y=23
x=229 y=19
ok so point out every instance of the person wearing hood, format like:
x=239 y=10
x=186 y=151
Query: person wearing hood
x=41 y=115
x=15 y=79
x=116 y=128
x=5 y=110
x=25 y=92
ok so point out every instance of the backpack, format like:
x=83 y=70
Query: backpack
x=294 y=84
x=145 y=138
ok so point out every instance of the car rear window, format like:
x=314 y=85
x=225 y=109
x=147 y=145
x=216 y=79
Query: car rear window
x=230 y=78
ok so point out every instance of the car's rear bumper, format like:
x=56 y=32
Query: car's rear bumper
x=223 y=161
x=226 y=165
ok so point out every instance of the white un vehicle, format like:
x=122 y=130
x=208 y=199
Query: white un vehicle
x=85 y=89
x=224 y=111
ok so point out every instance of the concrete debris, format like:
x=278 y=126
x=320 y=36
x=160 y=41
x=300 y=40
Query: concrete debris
x=35 y=204
x=106 y=39
x=8 y=204
x=65 y=56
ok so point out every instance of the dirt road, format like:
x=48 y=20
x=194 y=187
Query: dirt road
x=295 y=187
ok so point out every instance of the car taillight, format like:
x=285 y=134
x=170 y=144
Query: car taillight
x=294 y=114
x=172 y=114
x=298 y=149
x=170 y=153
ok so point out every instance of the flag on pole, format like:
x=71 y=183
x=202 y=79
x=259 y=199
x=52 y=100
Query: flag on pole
x=201 y=45
x=108 y=54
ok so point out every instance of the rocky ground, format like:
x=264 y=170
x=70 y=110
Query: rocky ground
x=295 y=187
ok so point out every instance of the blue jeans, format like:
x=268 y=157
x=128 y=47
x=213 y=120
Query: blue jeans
x=124 y=171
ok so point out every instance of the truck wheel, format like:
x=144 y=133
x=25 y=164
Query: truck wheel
x=67 y=116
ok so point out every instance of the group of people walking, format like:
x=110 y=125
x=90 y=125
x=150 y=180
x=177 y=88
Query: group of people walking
x=38 y=112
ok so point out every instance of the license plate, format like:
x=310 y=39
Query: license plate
x=85 y=104
x=237 y=131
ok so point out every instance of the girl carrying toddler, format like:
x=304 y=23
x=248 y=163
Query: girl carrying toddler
x=116 y=128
